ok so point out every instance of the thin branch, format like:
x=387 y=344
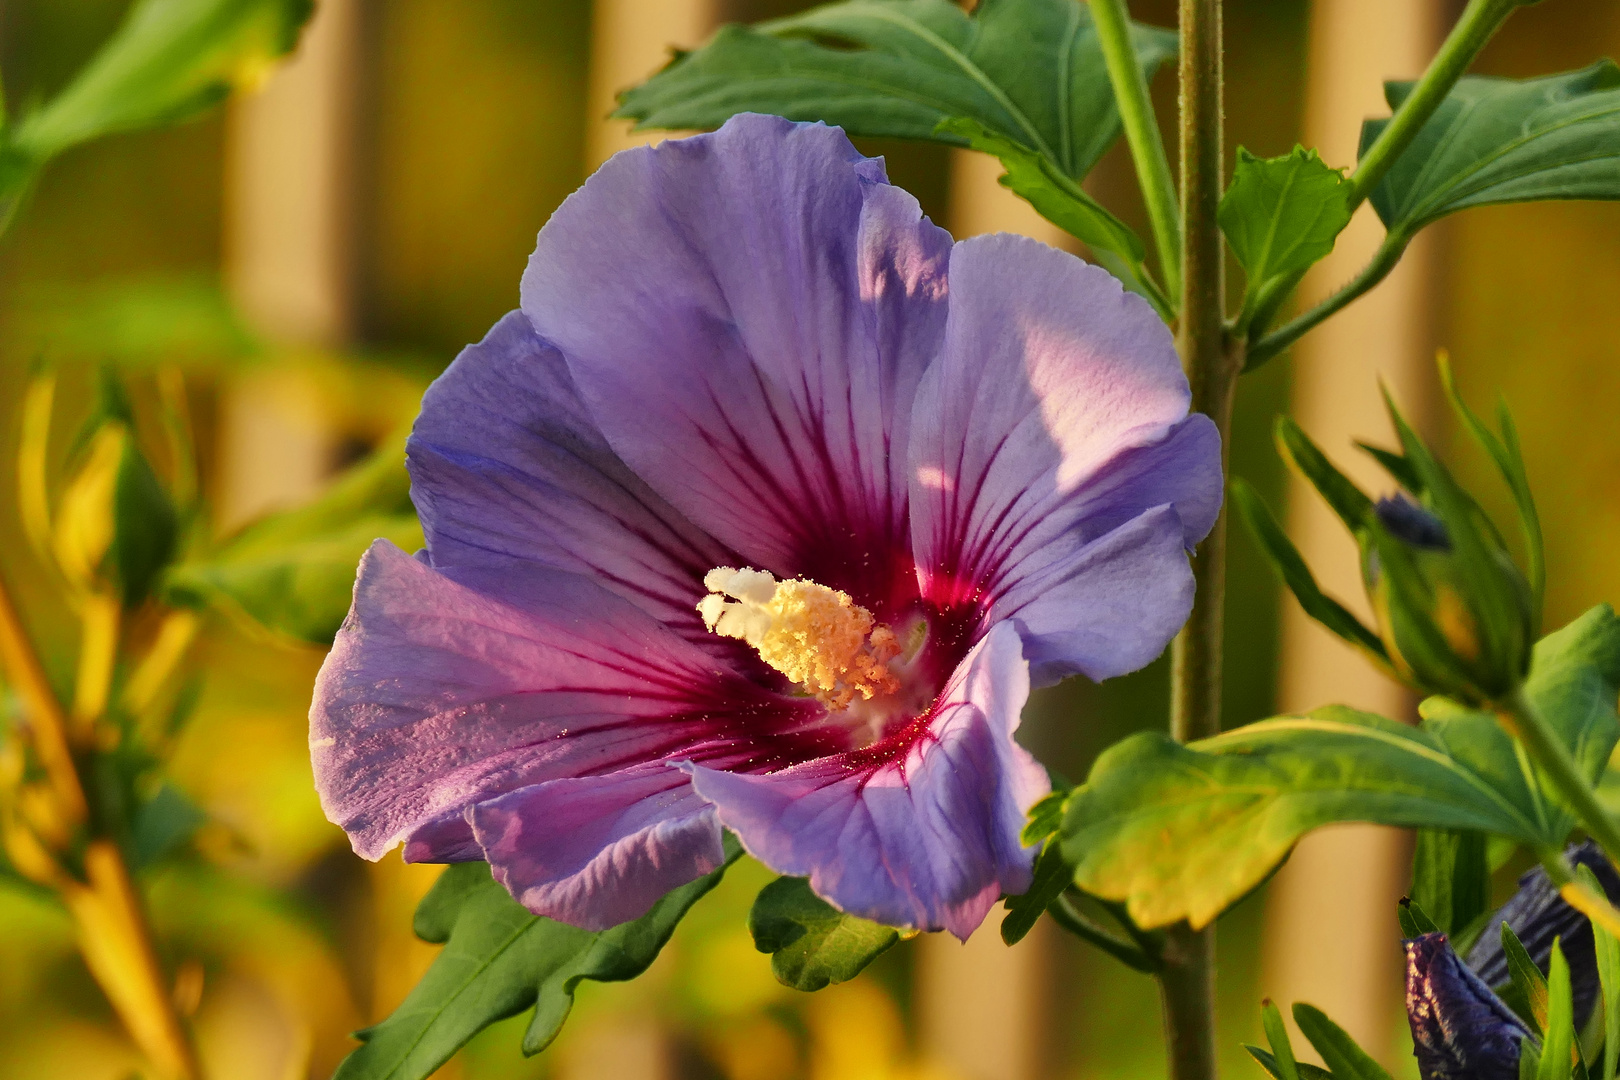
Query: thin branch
x=1142 y=134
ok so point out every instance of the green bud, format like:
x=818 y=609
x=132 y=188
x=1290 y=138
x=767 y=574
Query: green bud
x=116 y=527
x=1450 y=624
x=1455 y=615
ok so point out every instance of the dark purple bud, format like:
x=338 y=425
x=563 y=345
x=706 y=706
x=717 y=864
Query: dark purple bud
x=1408 y=521
x=1538 y=915
x=1460 y=1029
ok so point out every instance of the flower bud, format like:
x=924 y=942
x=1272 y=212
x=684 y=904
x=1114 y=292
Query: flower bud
x=115 y=528
x=1455 y=615
x=1451 y=622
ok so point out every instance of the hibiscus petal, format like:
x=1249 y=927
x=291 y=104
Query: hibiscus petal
x=598 y=851
x=928 y=839
x=506 y=463
x=1089 y=607
x=1055 y=416
x=445 y=688
x=747 y=315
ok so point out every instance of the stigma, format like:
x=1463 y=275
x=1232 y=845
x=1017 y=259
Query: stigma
x=818 y=637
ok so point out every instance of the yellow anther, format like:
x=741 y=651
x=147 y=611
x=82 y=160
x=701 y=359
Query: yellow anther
x=816 y=636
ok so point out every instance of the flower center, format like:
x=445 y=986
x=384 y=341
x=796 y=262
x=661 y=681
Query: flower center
x=816 y=636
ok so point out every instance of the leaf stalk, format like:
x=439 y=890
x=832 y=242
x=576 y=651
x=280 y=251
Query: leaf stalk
x=1524 y=721
x=1475 y=27
x=1473 y=30
x=1377 y=269
x=1142 y=135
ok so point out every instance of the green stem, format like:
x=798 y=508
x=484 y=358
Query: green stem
x=1113 y=24
x=1478 y=23
x=1212 y=363
x=1383 y=261
x=1075 y=922
x=1524 y=720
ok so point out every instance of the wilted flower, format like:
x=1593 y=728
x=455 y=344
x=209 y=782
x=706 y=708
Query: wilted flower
x=1539 y=916
x=764 y=512
x=1460 y=1029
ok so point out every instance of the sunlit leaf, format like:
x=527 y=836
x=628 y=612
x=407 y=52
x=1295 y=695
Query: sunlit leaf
x=498 y=961
x=1505 y=140
x=1028 y=70
x=1182 y=832
x=813 y=944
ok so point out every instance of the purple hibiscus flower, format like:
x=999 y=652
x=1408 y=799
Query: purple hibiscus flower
x=764 y=512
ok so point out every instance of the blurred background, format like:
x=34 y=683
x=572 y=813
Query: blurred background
x=312 y=255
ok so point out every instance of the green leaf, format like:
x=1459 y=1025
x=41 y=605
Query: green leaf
x=813 y=944
x=1574 y=679
x=1526 y=992
x=1031 y=71
x=169 y=60
x=298 y=587
x=1282 y=214
x=1052 y=875
x=1504 y=140
x=293 y=572
x=1282 y=1047
x=1344 y=1059
x=1504 y=451
x=1182 y=832
x=1296 y=574
x=1268 y=1062
x=1058 y=199
x=1607 y=952
x=499 y=960
x=162 y=824
x=1046 y=816
x=1414 y=921
x=1349 y=502
x=1558 y=1039
x=1450 y=879
x=1396 y=465
x=140 y=323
